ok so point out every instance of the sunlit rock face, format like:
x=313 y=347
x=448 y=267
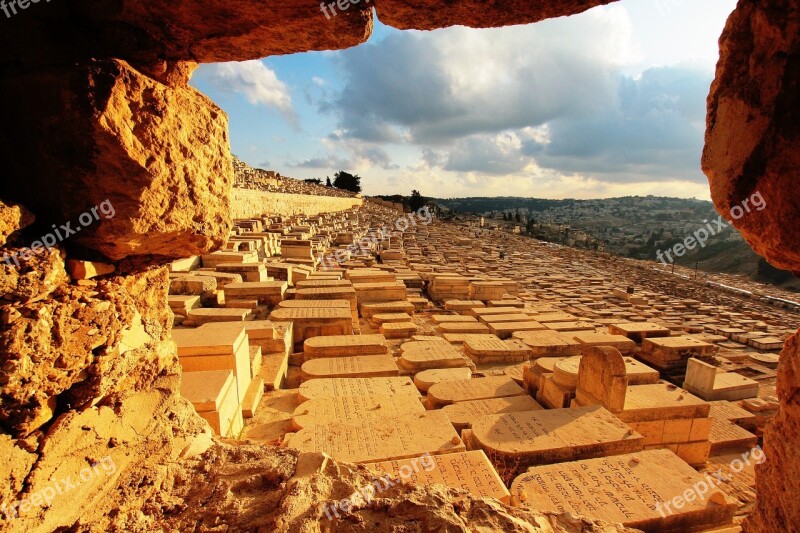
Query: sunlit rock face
x=433 y=14
x=753 y=135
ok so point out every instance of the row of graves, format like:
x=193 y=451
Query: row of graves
x=506 y=368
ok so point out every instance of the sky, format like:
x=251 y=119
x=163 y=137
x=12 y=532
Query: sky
x=603 y=104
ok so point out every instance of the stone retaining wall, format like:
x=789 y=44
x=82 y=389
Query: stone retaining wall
x=247 y=203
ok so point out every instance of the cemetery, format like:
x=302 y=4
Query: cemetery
x=559 y=394
x=233 y=350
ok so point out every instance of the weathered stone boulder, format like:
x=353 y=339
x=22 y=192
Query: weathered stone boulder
x=152 y=161
x=13 y=218
x=753 y=135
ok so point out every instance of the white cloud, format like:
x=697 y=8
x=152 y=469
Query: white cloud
x=255 y=81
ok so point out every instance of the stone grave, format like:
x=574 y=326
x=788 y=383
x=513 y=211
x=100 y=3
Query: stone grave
x=266 y=292
x=329 y=388
x=450 y=392
x=590 y=338
x=427 y=378
x=709 y=383
x=354 y=408
x=416 y=356
x=651 y=491
x=398 y=330
x=505 y=330
x=344 y=346
x=354 y=366
x=638 y=331
x=490 y=348
x=552 y=436
x=470 y=471
x=314 y=322
x=463 y=414
x=221 y=349
x=602 y=379
x=384 y=439
x=213 y=395
x=548 y=343
x=669 y=417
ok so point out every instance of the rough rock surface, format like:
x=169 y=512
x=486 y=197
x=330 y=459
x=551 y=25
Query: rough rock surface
x=753 y=135
x=777 y=484
x=432 y=14
x=12 y=219
x=205 y=31
x=81 y=345
x=160 y=155
x=257 y=488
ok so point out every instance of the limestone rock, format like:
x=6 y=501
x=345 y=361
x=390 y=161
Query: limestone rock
x=432 y=14
x=13 y=217
x=69 y=348
x=753 y=133
x=36 y=277
x=87 y=269
x=204 y=31
x=153 y=161
x=777 y=484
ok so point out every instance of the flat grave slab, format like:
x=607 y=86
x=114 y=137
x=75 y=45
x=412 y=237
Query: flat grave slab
x=292 y=304
x=344 y=345
x=636 y=490
x=427 y=378
x=400 y=306
x=669 y=348
x=416 y=356
x=548 y=343
x=637 y=331
x=356 y=366
x=441 y=319
x=314 y=322
x=398 y=330
x=493 y=349
x=387 y=439
x=483 y=312
x=661 y=401
x=463 y=414
x=505 y=330
x=553 y=436
x=570 y=326
x=203 y=315
x=463 y=327
x=353 y=409
x=470 y=471
x=509 y=317
x=329 y=388
x=450 y=392
x=546 y=318
x=726 y=435
x=590 y=338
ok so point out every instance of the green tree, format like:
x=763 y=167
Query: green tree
x=328 y=182
x=315 y=181
x=417 y=201
x=348 y=182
